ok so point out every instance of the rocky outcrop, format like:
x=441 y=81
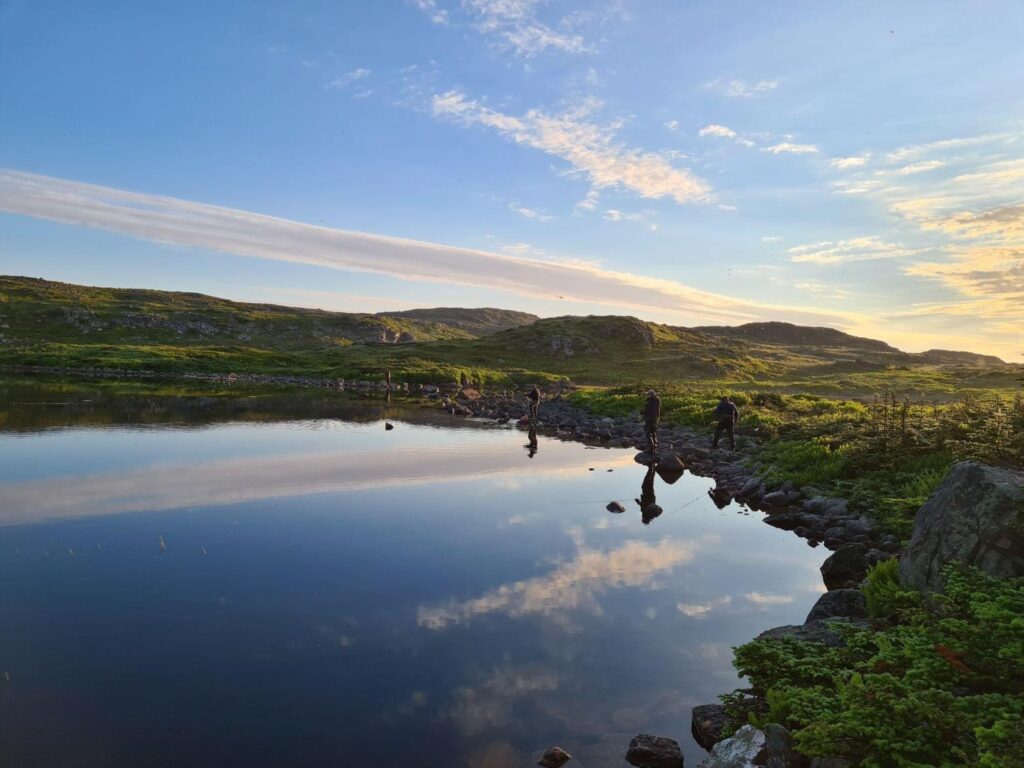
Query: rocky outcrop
x=647 y=751
x=975 y=516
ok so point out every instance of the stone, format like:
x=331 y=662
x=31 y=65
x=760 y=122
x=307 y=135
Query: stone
x=669 y=462
x=744 y=749
x=846 y=567
x=848 y=603
x=647 y=751
x=860 y=526
x=555 y=757
x=817 y=631
x=975 y=516
x=775 y=499
x=707 y=723
x=614 y=506
x=388 y=426
x=787 y=521
x=779 y=747
x=836 y=507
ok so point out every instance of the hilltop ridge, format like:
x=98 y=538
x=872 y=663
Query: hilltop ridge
x=53 y=324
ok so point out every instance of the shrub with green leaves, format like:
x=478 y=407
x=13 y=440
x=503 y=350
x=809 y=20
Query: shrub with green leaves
x=940 y=682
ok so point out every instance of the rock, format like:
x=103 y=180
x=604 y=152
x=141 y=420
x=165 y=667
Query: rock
x=670 y=463
x=975 y=516
x=836 y=507
x=643 y=458
x=647 y=751
x=707 y=723
x=817 y=631
x=846 y=567
x=787 y=521
x=859 y=527
x=779 y=747
x=614 y=506
x=744 y=749
x=694 y=452
x=555 y=757
x=776 y=499
x=840 y=602
x=388 y=426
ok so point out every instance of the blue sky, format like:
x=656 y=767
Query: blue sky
x=858 y=165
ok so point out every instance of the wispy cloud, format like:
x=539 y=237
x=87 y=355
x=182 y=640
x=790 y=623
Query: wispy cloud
x=214 y=228
x=345 y=80
x=672 y=125
x=789 y=148
x=701 y=610
x=741 y=88
x=514 y=24
x=529 y=213
x=843 y=251
x=921 y=167
x=430 y=8
x=854 y=161
x=717 y=130
x=590 y=148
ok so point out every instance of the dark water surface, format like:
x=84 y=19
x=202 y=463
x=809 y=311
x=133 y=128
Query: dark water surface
x=282 y=582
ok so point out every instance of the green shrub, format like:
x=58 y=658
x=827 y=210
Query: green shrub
x=939 y=683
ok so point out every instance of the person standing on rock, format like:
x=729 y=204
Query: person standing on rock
x=534 y=396
x=652 y=415
x=727 y=414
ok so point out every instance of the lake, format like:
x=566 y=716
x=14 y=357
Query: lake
x=209 y=579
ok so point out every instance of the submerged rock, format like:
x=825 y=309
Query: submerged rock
x=555 y=757
x=647 y=751
x=975 y=516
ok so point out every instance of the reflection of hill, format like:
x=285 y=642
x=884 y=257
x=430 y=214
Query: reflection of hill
x=30 y=405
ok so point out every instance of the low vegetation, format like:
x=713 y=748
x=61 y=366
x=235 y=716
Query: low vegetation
x=936 y=682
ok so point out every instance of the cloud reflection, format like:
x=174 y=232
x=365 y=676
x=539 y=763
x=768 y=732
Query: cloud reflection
x=572 y=586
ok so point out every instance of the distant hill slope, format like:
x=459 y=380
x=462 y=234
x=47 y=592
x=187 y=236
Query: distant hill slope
x=479 y=322
x=41 y=310
x=54 y=324
x=796 y=335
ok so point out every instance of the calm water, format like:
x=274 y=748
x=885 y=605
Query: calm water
x=283 y=582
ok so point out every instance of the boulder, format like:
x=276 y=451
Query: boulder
x=388 y=426
x=848 y=603
x=975 y=516
x=669 y=462
x=707 y=723
x=744 y=749
x=647 y=751
x=787 y=521
x=846 y=567
x=555 y=757
x=775 y=499
x=614 y=506
x=817 y=631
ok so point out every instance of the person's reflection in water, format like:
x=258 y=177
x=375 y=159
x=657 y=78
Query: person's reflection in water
x=532 y=445
x=387 y=397
x=720 y=496
x=648 y=508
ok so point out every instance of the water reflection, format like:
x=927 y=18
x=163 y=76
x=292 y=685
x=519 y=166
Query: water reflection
x=571 y=586
x=333 y=593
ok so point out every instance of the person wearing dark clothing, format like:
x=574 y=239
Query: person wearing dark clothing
x=649 y=508
x=652 y=415
x=726 y=414
x=534 y=396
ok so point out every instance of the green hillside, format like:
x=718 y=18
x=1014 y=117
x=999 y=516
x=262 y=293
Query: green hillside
x=53 y=324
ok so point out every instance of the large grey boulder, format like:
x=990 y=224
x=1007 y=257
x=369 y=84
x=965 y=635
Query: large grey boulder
x=753 y=748
x=975 y=516
x=849 y=564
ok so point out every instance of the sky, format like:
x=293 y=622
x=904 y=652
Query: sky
x=858 y=165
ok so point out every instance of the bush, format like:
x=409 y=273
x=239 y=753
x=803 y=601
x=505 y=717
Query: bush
x=939 y=683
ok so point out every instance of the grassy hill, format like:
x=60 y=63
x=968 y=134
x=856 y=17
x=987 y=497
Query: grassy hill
x=56 y=324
